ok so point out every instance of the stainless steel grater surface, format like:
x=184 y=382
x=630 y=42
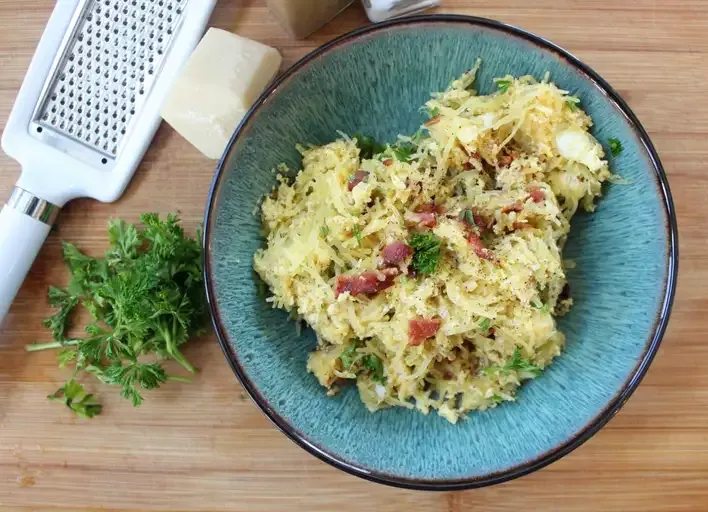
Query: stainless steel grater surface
x=107 y=65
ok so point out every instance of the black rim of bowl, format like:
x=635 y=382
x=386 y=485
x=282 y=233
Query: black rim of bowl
x=591 y=427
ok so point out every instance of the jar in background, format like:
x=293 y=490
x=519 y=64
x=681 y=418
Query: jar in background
x=302 y=17
x=380 y=10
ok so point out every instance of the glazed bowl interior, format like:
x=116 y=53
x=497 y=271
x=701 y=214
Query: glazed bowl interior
x=373 y=81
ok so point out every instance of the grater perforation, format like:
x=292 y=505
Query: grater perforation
x=106 y=70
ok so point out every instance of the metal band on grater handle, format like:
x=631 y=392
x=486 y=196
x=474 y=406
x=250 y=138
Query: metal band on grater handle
x=87 y=111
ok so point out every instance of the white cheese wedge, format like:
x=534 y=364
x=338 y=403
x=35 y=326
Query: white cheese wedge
x=217 y=86
x=578 y=146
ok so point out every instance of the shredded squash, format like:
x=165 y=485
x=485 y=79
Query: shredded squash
x=432 y=270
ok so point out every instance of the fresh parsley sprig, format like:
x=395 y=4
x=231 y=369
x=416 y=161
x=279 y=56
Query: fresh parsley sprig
x=615 y=146
x=426 y=252
x=146 y=297
x=517 y=363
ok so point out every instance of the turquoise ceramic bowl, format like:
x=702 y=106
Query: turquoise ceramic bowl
x=372 y=81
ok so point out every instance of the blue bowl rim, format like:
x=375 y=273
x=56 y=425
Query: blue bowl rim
x=594 y=425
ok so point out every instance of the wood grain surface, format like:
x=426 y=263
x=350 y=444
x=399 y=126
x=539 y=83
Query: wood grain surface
x=205 y=447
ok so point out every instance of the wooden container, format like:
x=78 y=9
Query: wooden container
x=302 y=17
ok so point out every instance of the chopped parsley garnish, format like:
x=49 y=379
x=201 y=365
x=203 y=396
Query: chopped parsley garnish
x=503 y=85
x=468 y=217
x=75 y=398
x=357 y=234
x=573 y=106
x=349 y=356
x=324 y=230
x=426 y=252
x=520 y=364
x=615 y=146
x=517 y=363
x=435 y=111
x=370 y=362
x=368 y=146
x=484 y=325
x=375 y=366
x=403 y=152
x=543 y=308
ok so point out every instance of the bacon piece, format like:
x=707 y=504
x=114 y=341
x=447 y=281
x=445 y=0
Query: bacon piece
x=357 y=178
x=478 y=247
x=506 y=160
x=432 y=121
x=516 y=207
x=430 y=208
x=420 y=329
x=369 y=283
x=424 y=219
x=537 y=195
x=396 y=252
x=388 y=162
x=425 y=215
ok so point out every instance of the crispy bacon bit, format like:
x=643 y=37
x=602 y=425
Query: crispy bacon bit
x=516 y=207
x=432 y=121
x=396 y=252
x=425 y=215
x=420 y=329
x=388 y=162
x=430 y=208
x=468 y=165
x=483 y=222
x=506 y=160
x=357 y=178
x=423 y=219
x=478 y=247
x=537 y=195
x=520 y=225
x=368 y=283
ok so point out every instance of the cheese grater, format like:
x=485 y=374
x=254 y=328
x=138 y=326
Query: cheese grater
x=87 y=111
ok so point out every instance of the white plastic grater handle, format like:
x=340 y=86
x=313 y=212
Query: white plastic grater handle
x=22 y=234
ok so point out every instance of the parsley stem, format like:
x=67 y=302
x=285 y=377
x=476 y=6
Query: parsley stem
x=169 y=335
x=47 y=346
x=178 y=379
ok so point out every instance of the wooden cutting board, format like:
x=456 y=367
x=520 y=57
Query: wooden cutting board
x=205 y=447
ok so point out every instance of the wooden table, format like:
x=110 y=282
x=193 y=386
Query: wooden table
x=205 y=447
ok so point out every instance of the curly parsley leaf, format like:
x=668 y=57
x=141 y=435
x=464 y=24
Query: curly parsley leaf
x=59 y=322
x=543 y=308
x=357 y=234
x=75 y=398
x=348 y=356
x=368 y=146
x=503 y=85
x=375 y=366
x=403 y=152
x=615 y=146
x=484 y=325
x=426 y=252
x=520 y=364
x=146 y=296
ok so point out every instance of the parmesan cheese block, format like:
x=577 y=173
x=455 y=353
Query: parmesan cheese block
x=219 y=83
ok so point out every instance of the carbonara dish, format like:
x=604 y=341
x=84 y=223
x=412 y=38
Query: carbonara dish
x=431 y=269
